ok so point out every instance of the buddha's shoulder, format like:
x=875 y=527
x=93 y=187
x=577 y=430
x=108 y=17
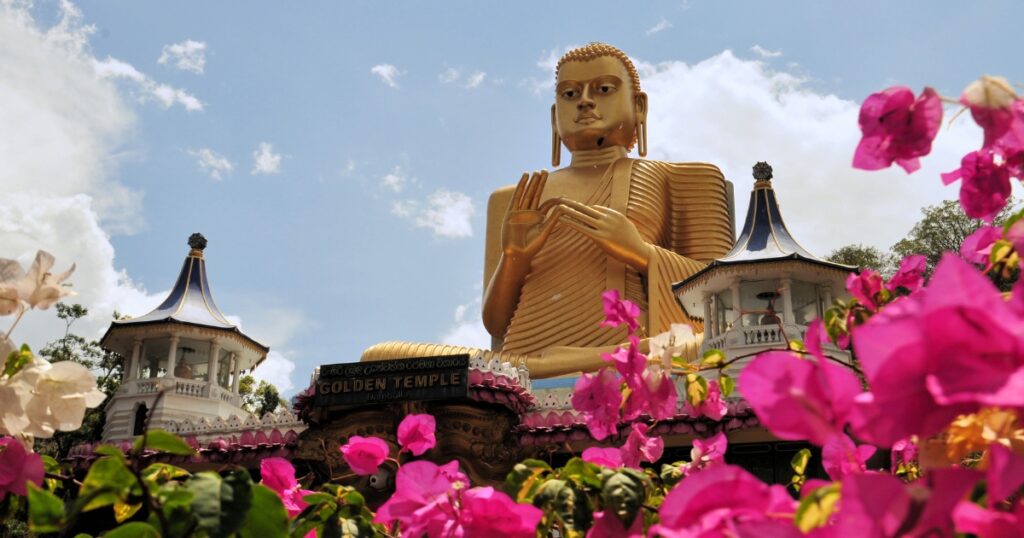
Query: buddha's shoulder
x=678 y=171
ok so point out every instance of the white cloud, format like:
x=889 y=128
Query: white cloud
x=395 y=180
x=275 y=327
x=476 y=79
x=663 y=24
x=765 y=53
x=265 y=161
x=167 y=95
x=388 y=73
x=468 y=328
x=188 y=56
x=449 y=75
x=448 y=214
x=734 y=112
x=213 y=163
x=61 y=128
x=547 y=64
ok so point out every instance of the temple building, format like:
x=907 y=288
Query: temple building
x=188 y=353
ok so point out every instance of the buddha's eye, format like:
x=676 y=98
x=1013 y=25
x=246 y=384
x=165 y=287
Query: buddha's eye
x=569 y=94
x=606 y=88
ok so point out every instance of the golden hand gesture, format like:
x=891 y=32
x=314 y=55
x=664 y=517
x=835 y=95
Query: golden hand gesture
x=612 y=231
x=526 y=225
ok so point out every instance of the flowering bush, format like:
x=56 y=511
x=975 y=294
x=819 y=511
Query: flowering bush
x=937 y=379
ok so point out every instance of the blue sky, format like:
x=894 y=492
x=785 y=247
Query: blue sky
x=383 y=127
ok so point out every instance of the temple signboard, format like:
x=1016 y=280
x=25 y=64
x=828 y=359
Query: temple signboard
x=397 y=380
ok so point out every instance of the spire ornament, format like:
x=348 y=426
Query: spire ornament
x=198 y=243
x=763 y=175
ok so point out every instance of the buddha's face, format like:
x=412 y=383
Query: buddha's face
x=594 y=104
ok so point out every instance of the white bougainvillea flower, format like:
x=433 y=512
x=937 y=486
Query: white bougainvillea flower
x=672 y=343
x=10 y=273
x=59 y=395
x=12 y=407
x=37 y=288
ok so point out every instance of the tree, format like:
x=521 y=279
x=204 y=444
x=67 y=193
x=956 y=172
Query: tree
x=259 y=399
x=106 y=366
x=862 y=256
x=942 y=229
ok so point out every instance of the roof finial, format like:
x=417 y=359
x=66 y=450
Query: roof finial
x=198 y=243
x=763 y=175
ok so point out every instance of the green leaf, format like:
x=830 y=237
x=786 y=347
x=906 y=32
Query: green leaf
x=135 y=529
x=727 y=384
x=696 y=389
x=157 y=474
x=671 y=474
x=522 y=481
x=797 y=345
x=45 y=510
x=107 y=482
x=17 y=360
x=317 y=498
x=125 y=511
x=582 y=472
x=799 y=466
x=713 y=358
x=220 y=504
x=816 y=507
x=267 y=517
x=109 y=450
x=162 y=441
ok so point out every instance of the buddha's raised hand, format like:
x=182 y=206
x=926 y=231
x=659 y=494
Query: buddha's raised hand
x=526 y=226
x=610 y=230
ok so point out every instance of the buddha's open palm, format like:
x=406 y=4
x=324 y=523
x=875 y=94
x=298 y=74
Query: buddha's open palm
x=610 y=230
x=526 y=225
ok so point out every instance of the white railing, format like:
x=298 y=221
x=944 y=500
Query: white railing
x=764 y=334
x=147 y=386
x=185 y=387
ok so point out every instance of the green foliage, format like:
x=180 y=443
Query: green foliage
x=135 y=529
x=219 y=504
x=161 y=441
x=259 y=399
x=45 y=510
x=864 y=257
x=267 y=517
x=799 y=466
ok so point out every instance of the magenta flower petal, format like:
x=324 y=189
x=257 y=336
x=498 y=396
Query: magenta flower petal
x=619 y=311
x=655 y=395
x=416 y=433
x=638 y=447
x=278 y=474
x=910 y=274
x=598 y=397
x=608 y=525
x=973 y=519
x=488 y=512
x=365 y=454
x=977 y=247
x=985 y=185
x=422 y=499
x=629 y=362
x=897 y=128
x=799 y=399
x=1005 y=473
x=18 y=467
x=865 y=287
x=841 y=457
x=605 y=457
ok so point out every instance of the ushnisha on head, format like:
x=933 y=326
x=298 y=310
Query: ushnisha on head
x=598 y=102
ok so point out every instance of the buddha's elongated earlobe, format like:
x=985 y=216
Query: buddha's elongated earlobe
x=641 y=124
x=556 y=141
x=641 y=138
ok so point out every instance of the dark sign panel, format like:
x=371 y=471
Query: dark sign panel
x=398 y=380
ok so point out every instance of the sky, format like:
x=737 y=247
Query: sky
x=338 y=156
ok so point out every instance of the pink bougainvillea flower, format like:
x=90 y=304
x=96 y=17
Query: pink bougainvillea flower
x=985 y=185
x=904 y=452
x=799 y=399
x=865 y=287
x=422 y=502
x=945 y=351
x=706 y=453
x=1005 y=473
x=910 y=275
x=1015 y=235
x=712 y=407
x=629 y=362
x=279 y=475
x=841 y=457
x=488 y=512
x=725 y=500
x=416 y=433
x=608 y=525
x=882 y=506
x=977 y=247
x=977 y=521
x=638 y=447
x=997 y=110
x=897 y=128
x=655 y=395
x=365 y=454
x=605 y=457
x=18 y=467
x=619 y=311
x=598 y=397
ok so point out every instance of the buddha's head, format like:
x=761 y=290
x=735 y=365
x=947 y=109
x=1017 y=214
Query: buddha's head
x=598 y=101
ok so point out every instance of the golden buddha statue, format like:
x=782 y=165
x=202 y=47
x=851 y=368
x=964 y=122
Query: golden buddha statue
x=556 y=241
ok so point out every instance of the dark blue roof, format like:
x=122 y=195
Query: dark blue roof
x=765 y=237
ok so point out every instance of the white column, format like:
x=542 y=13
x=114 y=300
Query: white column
x=787 y=300
x=234 y=373
x=735 y=287
x=826 y=294
x=213 y=363
x=172 y=356
x=707 y=316
x=133 y=362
